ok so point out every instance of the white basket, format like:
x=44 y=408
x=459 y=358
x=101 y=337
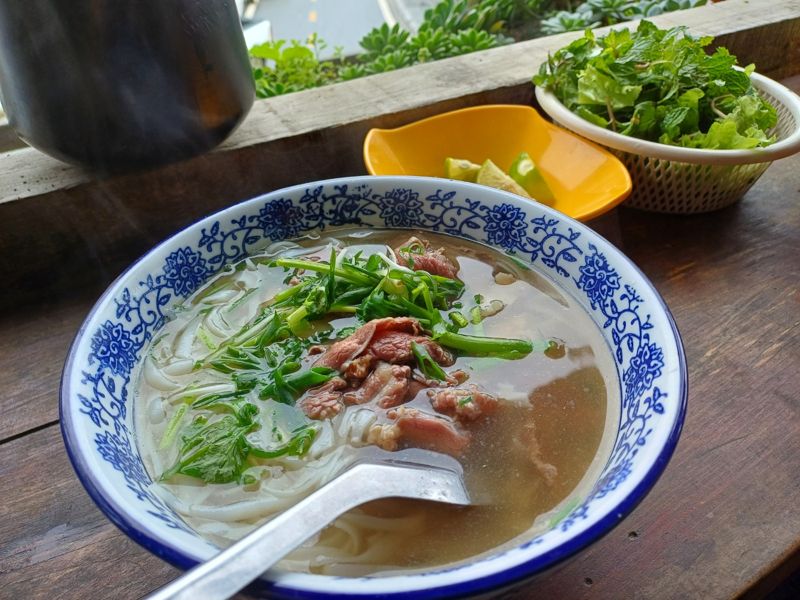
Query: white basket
x=671 y=179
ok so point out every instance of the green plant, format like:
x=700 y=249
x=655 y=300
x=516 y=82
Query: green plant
x=597 y=13
x=280 y=69
x=660 y=85
x=384 y=40
x=484 y=15
x=450 y=28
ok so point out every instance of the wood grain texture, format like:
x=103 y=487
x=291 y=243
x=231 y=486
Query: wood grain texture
x=96 y=226
x=722 y=521
x=54 y=542
x=33 y=345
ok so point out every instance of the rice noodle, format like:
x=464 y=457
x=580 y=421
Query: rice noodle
x=223 y=296
x=156 y=378
x=182 y=366
x=216 y=325
x=177 y=373
x=184 y=340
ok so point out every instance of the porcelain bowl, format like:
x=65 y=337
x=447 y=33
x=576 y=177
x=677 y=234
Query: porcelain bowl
x=96 y=393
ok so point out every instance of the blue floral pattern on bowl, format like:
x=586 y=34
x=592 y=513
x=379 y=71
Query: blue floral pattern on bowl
x=623 y=306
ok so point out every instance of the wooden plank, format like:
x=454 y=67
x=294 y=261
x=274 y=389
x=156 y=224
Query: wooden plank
x=426 y=89
x=395 y=97
x=33 y=346
x=96 y=226
x=54 y=542
x=721 y=520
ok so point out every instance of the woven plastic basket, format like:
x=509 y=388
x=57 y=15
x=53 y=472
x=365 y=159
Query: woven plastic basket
x=671 y=179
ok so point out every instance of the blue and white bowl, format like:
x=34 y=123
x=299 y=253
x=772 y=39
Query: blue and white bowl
x=96 y=391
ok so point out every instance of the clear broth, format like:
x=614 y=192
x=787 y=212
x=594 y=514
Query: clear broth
x=569 y=404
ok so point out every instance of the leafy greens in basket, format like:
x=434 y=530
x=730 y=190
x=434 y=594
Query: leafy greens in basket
x=660 y=85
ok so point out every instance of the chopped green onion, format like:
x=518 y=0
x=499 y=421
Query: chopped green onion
x=172 y=427
x=475 y=316
x=458 y=319
x=485 y=346
x=323 y=267
x=429 y=367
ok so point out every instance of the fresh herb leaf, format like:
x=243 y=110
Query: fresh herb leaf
x=429 y=367
x=215 y=452
x=660 y=85
x=287 y=388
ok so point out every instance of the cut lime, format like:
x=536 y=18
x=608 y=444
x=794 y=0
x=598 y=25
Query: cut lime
x=493 y=176
x=524 y=172
x=461 y=169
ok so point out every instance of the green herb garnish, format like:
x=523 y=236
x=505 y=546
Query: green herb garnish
x=429 y=367
x=217 y=451
x=660 y=85
x=264 y=360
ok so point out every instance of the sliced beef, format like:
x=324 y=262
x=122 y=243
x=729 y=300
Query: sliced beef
x=386 y=339
x=386 y=386
x=463 y=404
x=325 y=401
x=357 y=369
x=416 y=254
x=395 y=347
x=353 y=345
x=419 y=382
x=412 y=427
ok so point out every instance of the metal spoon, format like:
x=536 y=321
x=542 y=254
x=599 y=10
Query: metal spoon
x=411 y=473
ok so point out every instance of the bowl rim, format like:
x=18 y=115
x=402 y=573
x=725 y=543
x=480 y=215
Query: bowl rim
x=582 y=216
x=780 y=149
x=154 y=542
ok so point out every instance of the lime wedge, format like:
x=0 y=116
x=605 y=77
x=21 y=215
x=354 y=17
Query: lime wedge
x=524 y=172
x=461 y=169
x=493 y=176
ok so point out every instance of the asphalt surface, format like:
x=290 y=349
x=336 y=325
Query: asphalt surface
x=337 y=22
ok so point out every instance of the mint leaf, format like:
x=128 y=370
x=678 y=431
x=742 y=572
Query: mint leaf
x=660 y=85
x=596 y=87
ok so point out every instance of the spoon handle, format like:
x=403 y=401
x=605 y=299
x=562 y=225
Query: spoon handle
x=233 y=568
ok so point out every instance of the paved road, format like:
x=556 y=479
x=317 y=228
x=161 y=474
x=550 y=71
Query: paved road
x=337 y=22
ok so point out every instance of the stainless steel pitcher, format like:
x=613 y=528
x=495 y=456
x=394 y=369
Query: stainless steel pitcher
x=122 y=84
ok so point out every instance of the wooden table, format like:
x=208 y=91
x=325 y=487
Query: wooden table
x=723 y=521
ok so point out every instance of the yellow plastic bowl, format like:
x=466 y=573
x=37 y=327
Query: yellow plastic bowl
x=586 y=180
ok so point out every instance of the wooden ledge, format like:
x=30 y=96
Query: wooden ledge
x=757 y=35
x=68 y=223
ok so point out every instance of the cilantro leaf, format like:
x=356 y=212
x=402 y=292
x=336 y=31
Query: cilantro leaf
x=215 y=451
